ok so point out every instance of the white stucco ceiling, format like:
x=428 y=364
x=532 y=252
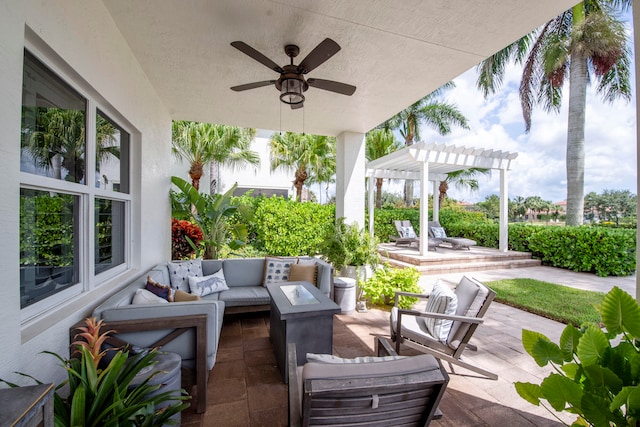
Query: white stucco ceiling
x=395 y=52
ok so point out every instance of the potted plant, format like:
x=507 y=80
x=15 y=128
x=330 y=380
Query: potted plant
x=101 y=393
x=386 y=281
x=353 y=253
x=596 y=372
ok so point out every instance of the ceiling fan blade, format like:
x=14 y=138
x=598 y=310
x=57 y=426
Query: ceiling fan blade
x=325 y=50
x=332 y=86
x=248 y=50
x=253 y=85
x=296 y=106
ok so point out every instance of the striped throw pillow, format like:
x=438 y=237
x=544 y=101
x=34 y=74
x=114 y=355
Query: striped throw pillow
x=441 y=300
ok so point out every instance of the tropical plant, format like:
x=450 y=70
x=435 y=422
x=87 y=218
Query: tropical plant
x=213 y=216
x=349 y=245
x=303 y=154
x=202 y=143
x=103 y=394
x=465 y=178
x=596 y=373
x=379 y=143
x=584 y=42
x=386 y=281
x=431 y=111
x=184 y=237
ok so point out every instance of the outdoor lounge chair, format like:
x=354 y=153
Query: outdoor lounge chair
x=371 y=391
x=436 y=231
x=447 y=324
x=407 y=235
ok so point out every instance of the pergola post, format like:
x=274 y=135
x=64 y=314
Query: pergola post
x=436 y=200
x=371 y=206
x=503 y=244
x=424 y=208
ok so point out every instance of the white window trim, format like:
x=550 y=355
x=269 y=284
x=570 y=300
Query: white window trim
x=87 y=192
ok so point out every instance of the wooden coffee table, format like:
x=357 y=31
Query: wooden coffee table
x=302 y=314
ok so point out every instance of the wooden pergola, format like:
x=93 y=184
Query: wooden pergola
x=432 y=162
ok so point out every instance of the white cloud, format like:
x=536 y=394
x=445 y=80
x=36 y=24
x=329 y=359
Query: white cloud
x=540 y=169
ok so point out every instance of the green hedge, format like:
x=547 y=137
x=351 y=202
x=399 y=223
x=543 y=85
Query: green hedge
x=289 y=228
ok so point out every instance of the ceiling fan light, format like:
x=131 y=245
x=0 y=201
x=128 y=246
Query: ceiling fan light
x=291 y=91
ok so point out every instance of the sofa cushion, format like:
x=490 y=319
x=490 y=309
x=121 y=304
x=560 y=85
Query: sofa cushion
x=305 y=273
x=245 y=295
x=163 y=291
x=182 y=296
x=206 y=285
x=143 y=296
x=277 y=269
x=243 y=271
x=179 y=273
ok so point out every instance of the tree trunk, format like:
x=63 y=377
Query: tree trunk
x=575 y=138
x=379 y=192
x=195 y=172
x=213 y=177
x=301 y=177
x=442 y=188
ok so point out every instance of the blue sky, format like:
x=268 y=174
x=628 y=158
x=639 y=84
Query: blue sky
x=539 y=170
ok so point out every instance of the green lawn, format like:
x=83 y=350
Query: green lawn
x=557 y=302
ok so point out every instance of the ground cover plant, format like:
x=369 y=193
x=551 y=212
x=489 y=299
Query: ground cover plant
x=557 y=302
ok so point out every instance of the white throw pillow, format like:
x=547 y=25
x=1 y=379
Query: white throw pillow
x=179 y=273
x=277 y=269
x=143 y=297
x=438 y=232
x=441 y=300
x=206 y=285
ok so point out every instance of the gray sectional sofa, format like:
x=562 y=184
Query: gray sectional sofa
x=244 y=277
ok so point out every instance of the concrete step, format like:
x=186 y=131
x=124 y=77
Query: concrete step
x=466 y=266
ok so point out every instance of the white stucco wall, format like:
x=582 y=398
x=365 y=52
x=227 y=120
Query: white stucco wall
x=83 y=35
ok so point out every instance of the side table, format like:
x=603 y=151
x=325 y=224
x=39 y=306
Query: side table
x=28 y=406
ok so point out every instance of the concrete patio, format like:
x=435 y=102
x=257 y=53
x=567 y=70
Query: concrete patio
x=245 y=387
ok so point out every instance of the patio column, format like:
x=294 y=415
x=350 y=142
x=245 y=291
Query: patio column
x=636 y=36
x=503 y=242
x=436 y=200
x=424 y=208
x=371 y=205
x=350 y=172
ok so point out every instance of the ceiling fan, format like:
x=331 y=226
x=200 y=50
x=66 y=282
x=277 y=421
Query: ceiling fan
x=292 y=83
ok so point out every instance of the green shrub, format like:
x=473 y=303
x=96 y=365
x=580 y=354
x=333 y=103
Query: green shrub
x=349 y=245
x=289 y=228
x=603 y=251
x=382 y=286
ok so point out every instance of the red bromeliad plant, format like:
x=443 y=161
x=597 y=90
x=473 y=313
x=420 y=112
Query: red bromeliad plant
x=181 y=232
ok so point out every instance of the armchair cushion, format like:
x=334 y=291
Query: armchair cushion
x=443 y=301
x=330 y=358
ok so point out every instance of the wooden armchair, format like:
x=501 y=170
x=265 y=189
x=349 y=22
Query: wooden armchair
x=448 y=323
x=365 y=391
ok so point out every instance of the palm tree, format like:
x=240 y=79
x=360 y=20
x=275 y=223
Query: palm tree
x=380 y=142
x=201 y=143
x=431 y=111
x=325 y=174
x=465 y=178
x=584 y=42
x=305 y=154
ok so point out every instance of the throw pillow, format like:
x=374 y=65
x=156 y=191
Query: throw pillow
x=441 y=300
x=163 y=291
x=408 y=233
x=277 y=269
x=179 y=273
x=305 y=273
x=331 y=359
x=182 y=296
x=144 y=297
x=206 y=285
x=438 y=232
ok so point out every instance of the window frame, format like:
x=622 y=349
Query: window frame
x=87 y=192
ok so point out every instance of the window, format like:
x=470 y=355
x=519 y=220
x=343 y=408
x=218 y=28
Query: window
x=73 y=227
